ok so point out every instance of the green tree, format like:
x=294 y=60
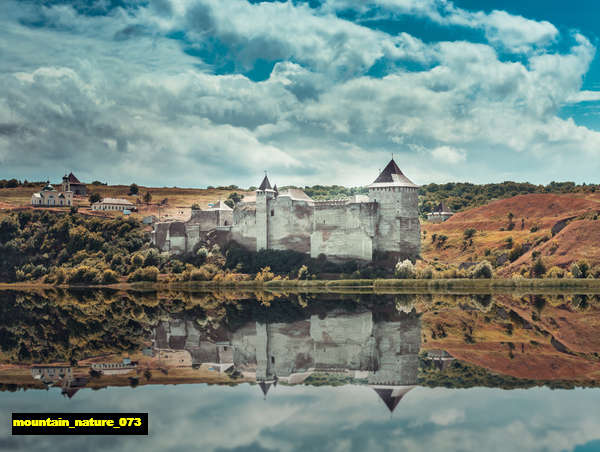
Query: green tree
x=94 y=197
x=134 y=189
x=147 y=197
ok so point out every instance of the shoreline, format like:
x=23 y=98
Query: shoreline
x=382 y=286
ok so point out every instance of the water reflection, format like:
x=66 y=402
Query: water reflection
x=378 y=347
x=337 y=371
x=390 y=342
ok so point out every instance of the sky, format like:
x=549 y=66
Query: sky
x=213 y=418
x=192 y=93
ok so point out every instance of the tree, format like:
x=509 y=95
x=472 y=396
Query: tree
x=134 y=189
x=469 y=233
x=405 y=270
x=483 y=270
x=538 y=269
x=147 y=197
x=94 y=197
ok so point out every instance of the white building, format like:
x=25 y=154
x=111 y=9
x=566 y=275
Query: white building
x=113 y=204
x=50 y=197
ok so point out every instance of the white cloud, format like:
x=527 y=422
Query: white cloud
x=448 y=416
x=449 y=154
x=142 y=102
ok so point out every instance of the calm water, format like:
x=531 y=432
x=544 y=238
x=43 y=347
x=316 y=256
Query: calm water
x=268 y=372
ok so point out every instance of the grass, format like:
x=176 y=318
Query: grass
x=179 y=204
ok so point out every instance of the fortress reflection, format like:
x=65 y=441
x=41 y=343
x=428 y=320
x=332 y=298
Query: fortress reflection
x=375 y=347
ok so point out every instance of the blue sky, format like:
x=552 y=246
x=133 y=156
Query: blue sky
x=209 y=92
x=193 y=417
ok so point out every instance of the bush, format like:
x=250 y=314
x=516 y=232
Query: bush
x=469 y=233
x=303 y=273
x=94 y=197
x=83 y=274
x=425 y=273
x=482 y=270
x=144 y=274
x=109 y=277
x=205 y=273
x=538 y=269
x=405 y=270
x=555 y=272
x=576 y=271
x=584 y=268
x=265 y=274
x=137 y=260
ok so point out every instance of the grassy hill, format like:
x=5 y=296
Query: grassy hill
x=178 y=200
x=512 y=233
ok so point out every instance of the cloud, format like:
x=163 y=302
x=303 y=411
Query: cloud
x=448 y=417
x=510 y=32
x=449 y=154
x=169 y=85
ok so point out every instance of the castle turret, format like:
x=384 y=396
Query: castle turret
x=398 y=227
x=264 y=195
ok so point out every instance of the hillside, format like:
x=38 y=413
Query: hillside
x=559 y=228
x=178 y=200
x=532 y=337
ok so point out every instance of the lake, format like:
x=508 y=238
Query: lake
x=269 y=371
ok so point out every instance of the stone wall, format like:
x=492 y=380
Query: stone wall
x=398 y=227
x=290 y=224
x=344 y=231
x=243 y=230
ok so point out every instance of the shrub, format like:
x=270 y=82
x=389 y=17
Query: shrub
x=405 y=270
x=144 y=274
x=483 y=270
x=204 y=273
x=555 y=272
x=265 y=274
x=584 y=267
x=83 y=274
x=303 y=273
x=576 y=271
x=538 y=269
x=94 y=197
x=425 y=273
x=109 y=277
x=137 y=260
x=469 y=233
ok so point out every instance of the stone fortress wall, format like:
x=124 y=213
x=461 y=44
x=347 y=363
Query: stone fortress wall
x=381 y=349
x=385 y=220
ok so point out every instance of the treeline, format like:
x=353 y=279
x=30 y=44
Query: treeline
x=461 y=195
x=14 y=183
x=70 y=248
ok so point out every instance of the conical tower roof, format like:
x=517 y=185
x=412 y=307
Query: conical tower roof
x=265 y=386
x=391 y=396
x=265 y=184
x=392 y=176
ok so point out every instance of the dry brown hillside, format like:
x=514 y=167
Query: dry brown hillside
x=560 y=228
x=178 y=200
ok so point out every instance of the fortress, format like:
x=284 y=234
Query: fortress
x=378 y=348
x=385 y=220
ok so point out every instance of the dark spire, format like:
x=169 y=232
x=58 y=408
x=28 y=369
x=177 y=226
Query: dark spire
x=275 y=189
x=265 y=185
x=264 y=387
x=386 y=174
x=392 y=396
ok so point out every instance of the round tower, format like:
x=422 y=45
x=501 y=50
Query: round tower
x=264 y=195
x=398 y=228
